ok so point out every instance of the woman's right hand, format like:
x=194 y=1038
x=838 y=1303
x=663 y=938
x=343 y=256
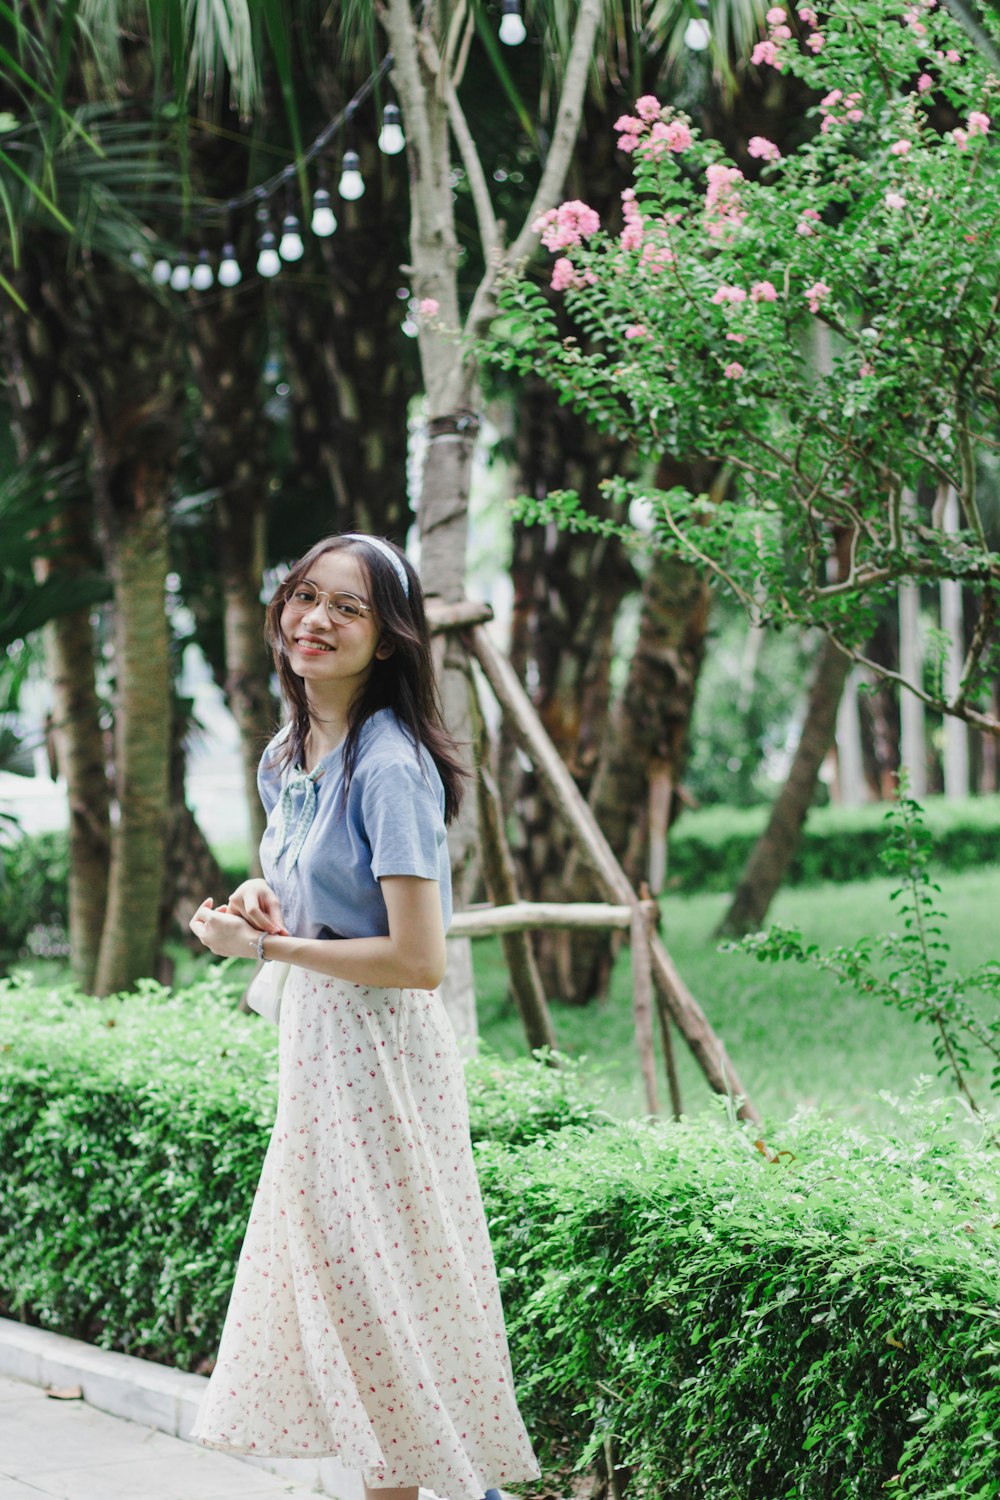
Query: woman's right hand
x=256 y=902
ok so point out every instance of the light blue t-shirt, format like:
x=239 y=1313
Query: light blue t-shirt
x=323 y=859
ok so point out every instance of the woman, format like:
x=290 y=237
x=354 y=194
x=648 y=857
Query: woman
x=365 y=1320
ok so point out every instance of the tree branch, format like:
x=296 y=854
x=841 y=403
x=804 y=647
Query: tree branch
x=970 y=715
x=588 y=19
x=483 y=204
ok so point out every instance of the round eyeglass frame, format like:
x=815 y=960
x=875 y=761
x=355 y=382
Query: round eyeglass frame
x=299 y=607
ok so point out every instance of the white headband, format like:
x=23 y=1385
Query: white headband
x=386 y=551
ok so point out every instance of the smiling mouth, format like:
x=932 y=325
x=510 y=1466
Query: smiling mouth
x=305 y=644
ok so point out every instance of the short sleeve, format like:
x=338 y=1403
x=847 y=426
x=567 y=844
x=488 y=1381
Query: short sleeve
x=403 y=822
x=269 y=778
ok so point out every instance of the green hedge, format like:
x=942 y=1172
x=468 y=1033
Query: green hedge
x=820 y=1325
x=709 y=847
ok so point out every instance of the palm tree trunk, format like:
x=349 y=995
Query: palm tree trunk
x=48 y=423
x=646 y=744
x=773 y=851
x=133 y=377
x=80 y=751
x=131 y=937
x=561 y=638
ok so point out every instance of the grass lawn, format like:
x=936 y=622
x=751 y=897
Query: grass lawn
x=796 y=1036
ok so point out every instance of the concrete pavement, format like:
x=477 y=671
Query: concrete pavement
x=66 y=1450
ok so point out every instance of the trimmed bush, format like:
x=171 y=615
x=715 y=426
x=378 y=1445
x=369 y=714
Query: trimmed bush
x=709 y=847
x=132 y=1133
x=721 y=1319
x=822 y=1324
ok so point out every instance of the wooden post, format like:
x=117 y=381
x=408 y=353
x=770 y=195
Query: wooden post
x=708 y=1048
x=501 y=886
x=642 y=1005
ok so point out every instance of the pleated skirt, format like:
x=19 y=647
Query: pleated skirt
x=365 y=1320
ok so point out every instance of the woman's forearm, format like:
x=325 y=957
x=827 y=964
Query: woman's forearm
x=368 y=960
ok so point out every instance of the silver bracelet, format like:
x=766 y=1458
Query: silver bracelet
x=260 y=947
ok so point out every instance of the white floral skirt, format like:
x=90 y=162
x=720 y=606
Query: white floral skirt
x=366 y=1320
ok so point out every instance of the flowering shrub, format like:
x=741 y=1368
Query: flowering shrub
x=824 y=325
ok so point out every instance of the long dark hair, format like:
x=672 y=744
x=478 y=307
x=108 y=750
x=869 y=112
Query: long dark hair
x=402 y=681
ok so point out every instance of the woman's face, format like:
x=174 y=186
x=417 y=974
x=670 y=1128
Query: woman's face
x=323 y=648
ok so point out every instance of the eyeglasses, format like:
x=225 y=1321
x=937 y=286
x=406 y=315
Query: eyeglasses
x=343 y=609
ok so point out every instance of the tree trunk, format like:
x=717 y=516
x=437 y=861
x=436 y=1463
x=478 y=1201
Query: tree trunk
x=49 y=417
x=562 y=644
x=235 y=450
x=192 y=871
x=646 y=745
x=852 y=789
x=81 y=757
x=956 y=731
x=134 y=384
x=774 y=850
x=131 y=937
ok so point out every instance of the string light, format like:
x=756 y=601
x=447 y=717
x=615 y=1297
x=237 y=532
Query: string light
x=180 y=276
x=351 y=186
x=391 y=139
x=229 y=267
x=202 y=276
x=697 y=32
x=324 y=220
x=178 y=272
x=512 y=29
x=268 y=259
x=291 y=247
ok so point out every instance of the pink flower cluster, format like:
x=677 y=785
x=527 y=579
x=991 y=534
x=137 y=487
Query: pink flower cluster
x=807 y=224
x=655 y=257
x=913 y=21
x=895 y=201
x=976 y=124
x=768 y=52
x=565 y=276
x=636 y=331
x=569 y=224
x=648 y=133
x=850 y=111
x=816 y=295
x=634 y=232
x=763 y=291
x=429 y=307
x=729 y=294
x=765 y=150
x=901 y=148
x=733 y=371
x=723 y=210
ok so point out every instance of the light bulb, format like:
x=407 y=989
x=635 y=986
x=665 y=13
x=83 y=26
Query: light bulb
x=202 y=275
x=352 y=184
x=180 y=276
x=324 y=220
x=512 y=31
x=268 y=261
x=229 y=267
x=291 y=247
x=391 y=138
x=697 y=34
x=161 y=272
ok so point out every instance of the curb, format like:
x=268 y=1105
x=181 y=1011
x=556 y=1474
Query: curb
x=151 y=1394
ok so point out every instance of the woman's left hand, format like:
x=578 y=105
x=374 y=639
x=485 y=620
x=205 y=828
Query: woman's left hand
x=222 y=932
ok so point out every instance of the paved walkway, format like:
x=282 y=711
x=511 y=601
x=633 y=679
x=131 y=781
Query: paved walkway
x=66 y=1450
